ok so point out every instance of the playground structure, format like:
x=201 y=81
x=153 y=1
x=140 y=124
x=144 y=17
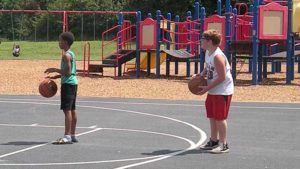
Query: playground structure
x=263 y=33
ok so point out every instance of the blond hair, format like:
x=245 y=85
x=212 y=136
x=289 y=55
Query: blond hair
x=212 y=35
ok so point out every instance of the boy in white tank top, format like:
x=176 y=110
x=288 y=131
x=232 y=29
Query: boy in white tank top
x=219 y=88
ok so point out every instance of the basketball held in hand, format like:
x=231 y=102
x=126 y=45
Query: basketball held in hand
x=195 y=82
x=47 y=88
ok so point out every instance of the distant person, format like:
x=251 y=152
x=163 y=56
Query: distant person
x=220 y=90
x=16 y=50
x=67 y=73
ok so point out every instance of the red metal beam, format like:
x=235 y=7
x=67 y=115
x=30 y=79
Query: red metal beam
x=69 y=12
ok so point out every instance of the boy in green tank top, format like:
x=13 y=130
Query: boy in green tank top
x=67 y=73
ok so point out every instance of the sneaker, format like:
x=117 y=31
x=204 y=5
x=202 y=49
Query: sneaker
x=210 y=145
x=62 y=141
x=222 y=148
x=74 y=139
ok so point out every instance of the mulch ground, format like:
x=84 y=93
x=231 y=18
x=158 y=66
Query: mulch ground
x=22 y=77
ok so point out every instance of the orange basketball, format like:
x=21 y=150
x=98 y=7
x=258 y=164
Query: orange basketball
x=195 y=82
x=48 y=88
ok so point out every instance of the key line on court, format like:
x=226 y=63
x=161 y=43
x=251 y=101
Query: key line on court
x=40 y=145
x=45 y=126
x=153 y=103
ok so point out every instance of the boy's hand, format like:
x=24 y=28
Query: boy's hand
x=51 y=70
x=203 y=91
x=194 y=75
x=53 y=77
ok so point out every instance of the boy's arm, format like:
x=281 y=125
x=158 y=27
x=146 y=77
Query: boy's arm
x=67 y=60
x=66 y=71
x=53 y=77
x=221 y=70
x=52 y=70
x=203 y=73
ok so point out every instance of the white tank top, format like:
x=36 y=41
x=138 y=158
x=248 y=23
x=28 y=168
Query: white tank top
x=224 y=88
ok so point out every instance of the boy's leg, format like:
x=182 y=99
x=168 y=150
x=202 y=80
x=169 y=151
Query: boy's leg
x=221 y=121
x=222 y=129
x=223 y=145
x=74 y=116
x=213 y=141
x=213 y=130
x=74 y=122
x=210 y=114
x=67 y=137
x=68 y=122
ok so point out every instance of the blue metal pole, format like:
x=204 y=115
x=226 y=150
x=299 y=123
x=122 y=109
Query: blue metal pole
x=255 y=42
x=261 y=2
x=219 y=7
x=235 y=23
x=227 y=31
x=188 y=64
x=289 y=53
x=197 y=10
x=169 y=17
x=169 y=29
x=138 y=60
x=202 y=54
x=250 y=60
x=197 y=27
x=176 y=40
x=251 y=9
x=120 y=22
x=158 y=13
x=233 y=64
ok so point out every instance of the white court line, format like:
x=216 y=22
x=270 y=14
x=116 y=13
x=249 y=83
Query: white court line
x=192 y=145
x=92 y=127
x=40 y=145
x=162 y=104
x=23 y=150
x=202 y=134
x=46 y=126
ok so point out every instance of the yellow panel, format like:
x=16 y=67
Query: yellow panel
x=148 y=31
x=273 y=23
x=172 y=46
x=296 y=16
x=163 y=24
x=215 y=26
x=143 y=60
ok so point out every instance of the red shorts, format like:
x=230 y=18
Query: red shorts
x=217 y=106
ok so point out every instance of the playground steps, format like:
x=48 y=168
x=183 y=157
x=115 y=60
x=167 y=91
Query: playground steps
x=181 y=56
x=113 y=61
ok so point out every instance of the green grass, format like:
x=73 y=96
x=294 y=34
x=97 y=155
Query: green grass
x=50 y=50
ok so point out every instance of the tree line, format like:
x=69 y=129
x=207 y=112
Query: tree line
x=47 y=27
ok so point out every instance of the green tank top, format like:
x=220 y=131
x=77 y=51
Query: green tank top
x=72 y=79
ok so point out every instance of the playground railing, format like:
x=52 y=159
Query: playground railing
x=86 y=58
x=123 y=38
x=105 y=43
x=187 y=34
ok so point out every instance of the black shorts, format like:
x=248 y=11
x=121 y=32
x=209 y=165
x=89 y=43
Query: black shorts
x=68 y=97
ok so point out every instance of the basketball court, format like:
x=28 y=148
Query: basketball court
x=145 y=134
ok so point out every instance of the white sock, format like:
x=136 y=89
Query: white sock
x=67 y=137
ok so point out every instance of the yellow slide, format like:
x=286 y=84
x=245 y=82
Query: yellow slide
x=143 y=61
x=296 y=14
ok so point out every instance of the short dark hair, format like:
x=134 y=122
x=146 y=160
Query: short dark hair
x=68 y=37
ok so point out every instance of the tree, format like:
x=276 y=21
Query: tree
x=48 y=26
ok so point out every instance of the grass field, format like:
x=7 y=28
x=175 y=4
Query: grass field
x=50 y=50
